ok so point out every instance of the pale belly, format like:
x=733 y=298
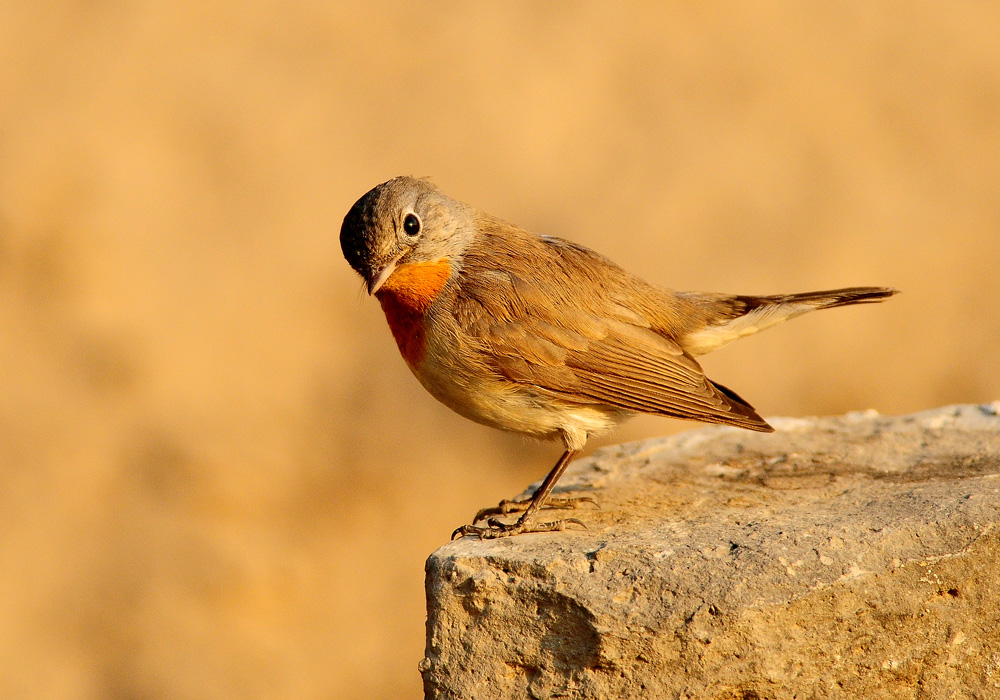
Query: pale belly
x=519 y=408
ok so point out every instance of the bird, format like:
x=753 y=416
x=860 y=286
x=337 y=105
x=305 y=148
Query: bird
x=537 y=335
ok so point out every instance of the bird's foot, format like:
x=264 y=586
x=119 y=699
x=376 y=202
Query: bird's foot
x=507 y=507
x=495 y=528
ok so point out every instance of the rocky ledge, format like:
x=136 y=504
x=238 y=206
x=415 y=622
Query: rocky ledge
x=848 y=557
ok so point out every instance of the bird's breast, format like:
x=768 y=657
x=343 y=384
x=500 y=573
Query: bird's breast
x=405 y=298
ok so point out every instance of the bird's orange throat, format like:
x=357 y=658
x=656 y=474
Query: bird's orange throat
x=405 y=297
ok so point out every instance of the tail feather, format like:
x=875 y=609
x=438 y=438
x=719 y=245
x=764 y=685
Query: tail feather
x=824 y=300
x=731 y=318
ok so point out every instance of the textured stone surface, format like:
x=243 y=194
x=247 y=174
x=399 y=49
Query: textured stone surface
x=844 y=557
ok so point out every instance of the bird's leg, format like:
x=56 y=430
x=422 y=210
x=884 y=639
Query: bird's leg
x=525 y=523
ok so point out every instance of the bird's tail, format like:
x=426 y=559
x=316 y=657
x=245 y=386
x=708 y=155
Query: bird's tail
x=826 y=300
x=732 y=317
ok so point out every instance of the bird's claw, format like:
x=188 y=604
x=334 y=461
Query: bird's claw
x=496 y=529
x=506 y=507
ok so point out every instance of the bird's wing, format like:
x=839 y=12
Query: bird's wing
x=549 y=328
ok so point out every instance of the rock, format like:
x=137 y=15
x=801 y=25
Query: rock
x=847 y=557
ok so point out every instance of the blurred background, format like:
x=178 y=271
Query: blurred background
x=217 y=477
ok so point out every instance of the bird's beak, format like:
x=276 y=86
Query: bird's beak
x=376 y=282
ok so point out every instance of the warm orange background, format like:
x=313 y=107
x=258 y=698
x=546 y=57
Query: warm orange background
x=218 y=479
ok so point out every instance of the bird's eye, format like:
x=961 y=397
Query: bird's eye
x=411 y=224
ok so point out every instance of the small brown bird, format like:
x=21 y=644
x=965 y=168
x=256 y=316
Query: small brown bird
x=543 y=337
